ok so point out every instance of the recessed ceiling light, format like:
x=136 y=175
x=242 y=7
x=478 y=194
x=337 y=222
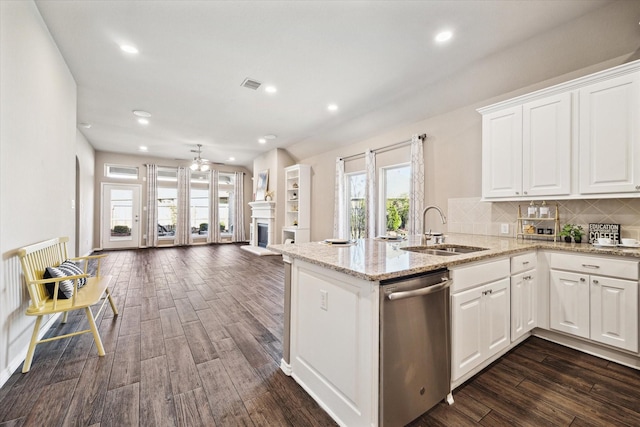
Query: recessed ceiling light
x=85 y=125
x=143 y=148
x=262 y=141
x=270 y=89
x=129 y=48
x=231 y=159
x=141 y=113
x=270 y=136
x=443 y=36
x=143 y=121
x=332 y=107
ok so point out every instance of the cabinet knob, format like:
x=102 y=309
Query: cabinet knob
x=595 y=282
x=637 y=187
x=582 y=279
x=517 y=192
x=526 y=192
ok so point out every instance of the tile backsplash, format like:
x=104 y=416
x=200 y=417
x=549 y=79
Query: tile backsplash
x=470 y=215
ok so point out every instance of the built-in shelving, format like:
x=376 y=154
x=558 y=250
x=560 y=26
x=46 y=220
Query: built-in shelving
x=297 y=221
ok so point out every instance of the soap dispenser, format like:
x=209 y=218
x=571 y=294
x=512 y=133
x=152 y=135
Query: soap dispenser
x=532 y=210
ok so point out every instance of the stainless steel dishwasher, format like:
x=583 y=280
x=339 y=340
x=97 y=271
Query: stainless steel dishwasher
x=415 y=362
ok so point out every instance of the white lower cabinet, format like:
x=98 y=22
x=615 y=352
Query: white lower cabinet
x=524 y=303
x=480 y=323
x=595 y=306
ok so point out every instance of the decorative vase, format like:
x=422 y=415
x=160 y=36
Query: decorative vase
x=268 y=198
x=578 y=239
x=567 y=239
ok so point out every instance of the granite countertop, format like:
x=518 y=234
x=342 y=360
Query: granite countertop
x=375 y=260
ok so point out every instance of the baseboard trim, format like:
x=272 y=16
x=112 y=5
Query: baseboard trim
x=14 y=364
x=286 y=368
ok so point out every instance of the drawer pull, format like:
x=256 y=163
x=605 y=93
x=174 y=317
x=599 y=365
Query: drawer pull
x=525 y=262
x=590 y=266
x=527 y=277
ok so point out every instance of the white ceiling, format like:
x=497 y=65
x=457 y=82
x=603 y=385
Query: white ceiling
x=194 y=55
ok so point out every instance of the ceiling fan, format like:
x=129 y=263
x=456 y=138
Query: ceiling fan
x=199 y=164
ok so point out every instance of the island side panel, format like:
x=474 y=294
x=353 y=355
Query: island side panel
x=334 y=342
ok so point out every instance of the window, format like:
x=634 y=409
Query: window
x=356 y=204
x=226 y=191
x=121 y=213
x=199 y=204
x=167 y=202
x=121 y=172
x=395 y=184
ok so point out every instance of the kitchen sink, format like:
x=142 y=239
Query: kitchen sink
x=444 y=250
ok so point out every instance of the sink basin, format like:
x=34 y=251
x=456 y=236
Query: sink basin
x=444 y=250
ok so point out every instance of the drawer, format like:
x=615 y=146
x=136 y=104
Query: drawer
x=624 y=269
x=468 y=276
x=520 y=263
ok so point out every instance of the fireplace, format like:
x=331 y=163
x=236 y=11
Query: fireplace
x=263 y=235
x=263 y=227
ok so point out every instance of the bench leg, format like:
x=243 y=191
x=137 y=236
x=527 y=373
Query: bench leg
x=64 y=317
x=32 y=346
x=94 y=330
x=113 y=304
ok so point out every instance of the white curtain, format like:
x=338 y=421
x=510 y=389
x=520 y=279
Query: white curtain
x=238 y=208
x=152 y=205
x=416 y=189
x=213 y=236
x=340 y=209
x=183 y=226
x=370 y=193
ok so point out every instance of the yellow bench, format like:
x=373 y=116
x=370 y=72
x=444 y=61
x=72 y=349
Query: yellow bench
x=51 y=253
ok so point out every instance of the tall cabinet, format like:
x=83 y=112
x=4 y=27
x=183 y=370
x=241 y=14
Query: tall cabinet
x=297 y=220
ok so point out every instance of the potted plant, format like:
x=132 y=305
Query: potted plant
x=577 y=232
x=566 y=232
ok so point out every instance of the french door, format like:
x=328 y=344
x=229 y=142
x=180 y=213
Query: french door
x=120 y=216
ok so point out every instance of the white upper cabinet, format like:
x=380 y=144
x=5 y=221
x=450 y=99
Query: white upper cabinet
x=610 y=136
x=502 y=153
x=546 y=146
x=574 y=140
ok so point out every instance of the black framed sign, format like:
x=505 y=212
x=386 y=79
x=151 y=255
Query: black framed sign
x=608 y=231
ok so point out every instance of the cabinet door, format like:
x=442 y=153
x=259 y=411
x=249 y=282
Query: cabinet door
x=609 y=136
x=466 y=331
x=614 y=312
x=502 y=153
x=524 y=304
x=497 y=318
x=569 y=303
x=546 y=146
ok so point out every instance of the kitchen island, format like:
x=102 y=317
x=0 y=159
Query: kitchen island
x=335 y=315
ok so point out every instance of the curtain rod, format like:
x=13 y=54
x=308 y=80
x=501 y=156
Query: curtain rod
x=383 y=149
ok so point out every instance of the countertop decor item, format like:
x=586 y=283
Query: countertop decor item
x=609 y=231
x=566 y=232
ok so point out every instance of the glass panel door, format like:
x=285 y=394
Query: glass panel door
x=121 y=216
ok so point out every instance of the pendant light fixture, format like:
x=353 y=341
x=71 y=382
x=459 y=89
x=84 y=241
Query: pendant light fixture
x=199 y=164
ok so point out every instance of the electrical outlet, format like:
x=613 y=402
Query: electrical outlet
x=504 y=228
x=324 y=300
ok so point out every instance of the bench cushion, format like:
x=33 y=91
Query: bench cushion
x=67 y=268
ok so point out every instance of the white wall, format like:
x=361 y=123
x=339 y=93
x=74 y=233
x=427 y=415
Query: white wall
x=37 y=157
x=274 y=161
x=603 y=39
x=85 y=205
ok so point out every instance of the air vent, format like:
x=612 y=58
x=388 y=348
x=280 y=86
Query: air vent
x=251 y=84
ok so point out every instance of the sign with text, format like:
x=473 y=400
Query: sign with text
x=609 y=231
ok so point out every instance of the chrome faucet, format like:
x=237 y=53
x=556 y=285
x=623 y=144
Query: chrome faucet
x=423 y=235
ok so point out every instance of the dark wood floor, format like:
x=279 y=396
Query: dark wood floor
x=198 y=342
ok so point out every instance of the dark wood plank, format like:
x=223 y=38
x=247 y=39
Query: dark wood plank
x=185 y=310
x=156 y=397
x=245 y=378
x=202 y=348
x=171 y=326
x=152 y=341
x=89 y=396
x=182 y=368
x=122 y=407
x=227 y=406
x=126 y=363
x=247 y=344
x=265 y=411
x=150 y=309
x=165 y=300
x=130 y=321
x=43 y=412
x=192 y=409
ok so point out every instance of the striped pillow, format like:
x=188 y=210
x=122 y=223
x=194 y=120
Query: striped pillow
x=67 y=268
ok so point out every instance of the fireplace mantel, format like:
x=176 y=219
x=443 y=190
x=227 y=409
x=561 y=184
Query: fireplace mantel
x=262 y=212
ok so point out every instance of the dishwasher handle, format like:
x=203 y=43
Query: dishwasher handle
x=419 y=292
